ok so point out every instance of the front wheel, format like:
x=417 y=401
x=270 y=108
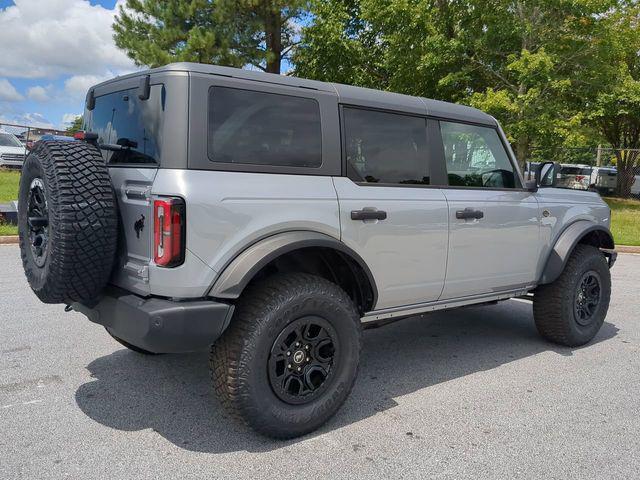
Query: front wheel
x=290 y=357
x=571 y=310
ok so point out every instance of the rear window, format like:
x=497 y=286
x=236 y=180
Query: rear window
x=257 y=128
x=129 y=129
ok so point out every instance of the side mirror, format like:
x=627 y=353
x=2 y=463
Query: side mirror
x=545 y=175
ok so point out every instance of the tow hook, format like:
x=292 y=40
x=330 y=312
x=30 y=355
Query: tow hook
x=68 y=308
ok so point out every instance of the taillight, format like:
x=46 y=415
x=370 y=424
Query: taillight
x=169 y=231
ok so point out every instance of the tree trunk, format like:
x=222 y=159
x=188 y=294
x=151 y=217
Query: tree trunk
x=522 y=150
x=625 y=167
x=273 y=38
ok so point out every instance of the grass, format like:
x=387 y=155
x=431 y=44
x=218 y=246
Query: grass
x=625 y=221
x=8 y=191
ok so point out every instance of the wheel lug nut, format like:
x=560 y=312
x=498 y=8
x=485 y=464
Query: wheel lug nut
x=288 y=354
x=289 y=366
x=306 y=347
x=299 y=369
x=308 y=359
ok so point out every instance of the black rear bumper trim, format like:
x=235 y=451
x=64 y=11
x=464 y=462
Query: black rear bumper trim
x=159 y=325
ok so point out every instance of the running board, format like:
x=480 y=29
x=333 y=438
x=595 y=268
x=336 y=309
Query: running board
x=416 y=309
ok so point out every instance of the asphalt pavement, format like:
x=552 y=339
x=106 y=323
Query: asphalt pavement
x=472 y=393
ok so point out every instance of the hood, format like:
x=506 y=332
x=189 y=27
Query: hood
x=18 y=150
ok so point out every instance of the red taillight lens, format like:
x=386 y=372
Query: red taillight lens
x=169 y=232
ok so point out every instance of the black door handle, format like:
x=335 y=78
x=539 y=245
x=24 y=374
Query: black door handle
x=367 y=214
x=469 y=213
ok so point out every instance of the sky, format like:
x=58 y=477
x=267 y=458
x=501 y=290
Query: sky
x=51 y=52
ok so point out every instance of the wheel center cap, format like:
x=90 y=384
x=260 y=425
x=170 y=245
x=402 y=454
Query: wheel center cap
x=299 y=356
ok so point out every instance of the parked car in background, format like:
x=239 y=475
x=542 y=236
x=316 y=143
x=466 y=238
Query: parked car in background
x=577 y=177
x=604 y=179
x=635 y=188
x=12 y=151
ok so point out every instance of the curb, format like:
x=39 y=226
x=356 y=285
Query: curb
x=9 y=240
x=627 y=249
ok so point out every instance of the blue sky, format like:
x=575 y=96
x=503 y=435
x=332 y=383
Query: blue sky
x=51 y=52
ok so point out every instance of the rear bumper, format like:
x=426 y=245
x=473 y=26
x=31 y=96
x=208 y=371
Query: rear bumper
x=159 y=325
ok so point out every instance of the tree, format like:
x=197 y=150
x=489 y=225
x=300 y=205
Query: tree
x=76 y=125
x=614 y=106
x=235 y=33
x=523 y=61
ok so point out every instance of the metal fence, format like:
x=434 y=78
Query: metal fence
x=610 y=171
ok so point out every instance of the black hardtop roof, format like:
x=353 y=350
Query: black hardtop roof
x=347 y=94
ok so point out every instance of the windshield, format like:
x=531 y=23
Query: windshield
x=129 y=129
x=8 y=140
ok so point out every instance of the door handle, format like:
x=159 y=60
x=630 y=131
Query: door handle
x=368 y=214
x=469 y=213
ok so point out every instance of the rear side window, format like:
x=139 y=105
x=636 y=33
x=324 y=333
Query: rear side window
x=475 y=157
x=386 y=147
x=257 y=128
x=129 y=129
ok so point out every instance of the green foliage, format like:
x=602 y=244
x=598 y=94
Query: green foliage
x=76 y=125
x=535 y=65
x=224 y=32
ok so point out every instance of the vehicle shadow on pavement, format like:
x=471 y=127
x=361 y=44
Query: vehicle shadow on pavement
x=172 y=395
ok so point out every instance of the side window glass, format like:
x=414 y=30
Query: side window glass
x=257 y=128
x=475 y=157
x=386 y=147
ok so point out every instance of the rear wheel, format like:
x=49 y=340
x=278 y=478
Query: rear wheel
x=289 y=358
x=571 y=310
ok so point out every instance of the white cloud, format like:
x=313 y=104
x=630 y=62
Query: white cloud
x=8 y=92
x=67 y=118
x=45 y=39
x=31 y=119
x=39 y=94
x=77 y=86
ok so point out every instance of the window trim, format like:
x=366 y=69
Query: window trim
x=256 y=167
x=434 y=158
x=512 y=162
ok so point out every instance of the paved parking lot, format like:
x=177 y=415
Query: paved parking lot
x=472 y=393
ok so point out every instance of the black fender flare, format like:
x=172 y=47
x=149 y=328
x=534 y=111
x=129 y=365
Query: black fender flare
x=567 y=241
x=239 y=272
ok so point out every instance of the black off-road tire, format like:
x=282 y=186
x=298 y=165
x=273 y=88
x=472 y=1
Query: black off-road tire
x=131 y=347
x=81 y=228
x=554 y=304
x=239 y=359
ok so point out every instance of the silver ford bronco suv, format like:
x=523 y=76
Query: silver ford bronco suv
x=271 y=218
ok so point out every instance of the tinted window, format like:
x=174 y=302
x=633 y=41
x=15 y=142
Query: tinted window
x=8 y=140
x=386 y=147
x=122 y=120
x=575 y=171
x=259 y=128
x=475 y=157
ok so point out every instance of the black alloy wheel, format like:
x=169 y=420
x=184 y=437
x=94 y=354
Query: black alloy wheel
x=38 y=222
x=587 y=298
x=302 y=360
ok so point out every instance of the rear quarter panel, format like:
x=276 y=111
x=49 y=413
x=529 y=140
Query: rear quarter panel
x=229 y=211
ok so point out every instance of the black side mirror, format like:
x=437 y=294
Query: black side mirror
x=546 y=174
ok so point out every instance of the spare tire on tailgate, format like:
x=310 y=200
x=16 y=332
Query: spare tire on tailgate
x=67 y=221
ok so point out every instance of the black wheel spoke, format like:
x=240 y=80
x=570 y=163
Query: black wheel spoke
x=302 y=359
x=587 y=298
x=38 y=221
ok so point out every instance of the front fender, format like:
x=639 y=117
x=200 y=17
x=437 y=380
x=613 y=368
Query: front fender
x=567 y=241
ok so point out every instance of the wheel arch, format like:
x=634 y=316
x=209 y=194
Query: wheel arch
x=580 y=232
x=306 y=251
